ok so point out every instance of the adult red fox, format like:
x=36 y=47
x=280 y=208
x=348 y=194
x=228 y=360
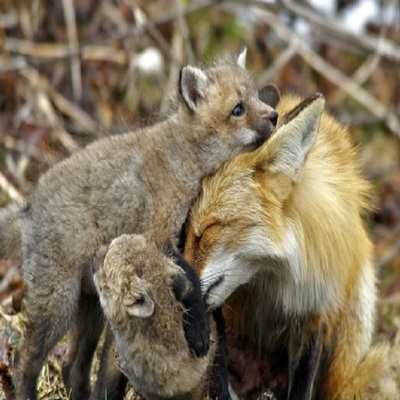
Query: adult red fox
x=277 y=236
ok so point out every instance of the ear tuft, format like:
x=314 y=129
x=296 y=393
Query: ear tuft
x=270 y=95
x=192 y=84
x=241 y=60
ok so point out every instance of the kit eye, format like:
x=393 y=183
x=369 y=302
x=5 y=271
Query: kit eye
x=238 y=110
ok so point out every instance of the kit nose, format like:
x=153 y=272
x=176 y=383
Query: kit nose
x=273 y=118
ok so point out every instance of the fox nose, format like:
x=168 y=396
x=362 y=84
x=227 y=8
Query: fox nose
x=273 y=118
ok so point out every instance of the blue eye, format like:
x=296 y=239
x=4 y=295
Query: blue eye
x=238 y=110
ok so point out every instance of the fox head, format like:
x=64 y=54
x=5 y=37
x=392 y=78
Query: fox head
x=132 y=278
x=282 y=211
x=221 y=105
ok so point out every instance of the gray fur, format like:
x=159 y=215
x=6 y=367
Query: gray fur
x=138 y=182
x=135 y=286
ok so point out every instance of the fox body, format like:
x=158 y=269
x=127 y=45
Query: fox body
x=144 y=294
x=138 y=182
x=278 y=236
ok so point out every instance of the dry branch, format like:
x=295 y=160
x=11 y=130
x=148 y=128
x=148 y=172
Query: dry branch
x=11 y=191
x=80 y=117
x=334 y=28
x=55 y=51
x=348 y=85
x=70 y=22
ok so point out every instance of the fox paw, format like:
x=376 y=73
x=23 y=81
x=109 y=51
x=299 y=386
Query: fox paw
x=197 y=334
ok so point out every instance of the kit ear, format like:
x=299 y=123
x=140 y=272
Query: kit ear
x=269 y=94
x=139 y=302
x=241 y=59
x=192 y=86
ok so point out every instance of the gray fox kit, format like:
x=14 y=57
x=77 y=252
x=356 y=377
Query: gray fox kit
x=137 y=182
x=144 y=292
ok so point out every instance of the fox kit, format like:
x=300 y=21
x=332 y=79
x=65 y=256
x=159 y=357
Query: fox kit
x=278 y=236
x=144 y=294
x=138 y=182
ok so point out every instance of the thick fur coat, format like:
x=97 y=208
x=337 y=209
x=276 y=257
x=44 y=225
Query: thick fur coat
x=137 y=182
x=278 y=236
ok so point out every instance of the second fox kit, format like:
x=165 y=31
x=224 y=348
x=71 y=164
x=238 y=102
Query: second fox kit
x=279 y=236
x=138 y=182
x=144 y=292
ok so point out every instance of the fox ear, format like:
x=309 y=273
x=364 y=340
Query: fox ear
x=295 y=136
x=192 y=84
x=241 y=60
x=270 y=95
x=139 y=302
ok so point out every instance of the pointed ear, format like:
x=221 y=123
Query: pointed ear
x=192 y=85
x=295 y=136
x=270 y=95
x=241 y=60
x=139 y=301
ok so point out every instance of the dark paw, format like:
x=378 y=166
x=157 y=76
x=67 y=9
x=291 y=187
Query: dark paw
x=197 y=334
x=219 y=389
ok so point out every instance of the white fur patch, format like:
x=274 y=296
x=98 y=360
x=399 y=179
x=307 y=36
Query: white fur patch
x=222 y=276
x=247 y=136
x=227 y=270
x=279 y=269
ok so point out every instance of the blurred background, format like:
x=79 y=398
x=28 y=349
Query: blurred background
x=74 y=70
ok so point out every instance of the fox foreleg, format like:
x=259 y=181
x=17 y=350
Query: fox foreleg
x=195 y=320
x=111 y=382
x=219 y=382
x=309 y=360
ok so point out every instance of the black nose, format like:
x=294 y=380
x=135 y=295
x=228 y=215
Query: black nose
x=273 y=118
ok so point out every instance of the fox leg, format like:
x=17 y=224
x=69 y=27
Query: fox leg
x=111 y=382
x=30 y=357
x=309 y=360
x=48 y=317
x=84 y=337
x=195 y=319
x=219 y=382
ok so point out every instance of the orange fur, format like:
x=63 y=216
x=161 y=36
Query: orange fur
x=283 y=226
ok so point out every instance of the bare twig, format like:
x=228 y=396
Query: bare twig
x=334 y=28
x=283 y=58
x=167 y=17
x=54 y=51
x=11 y=191
x=80 y=117
x=347 y=84
x=363 y=73
x=70 y=22
x=184 y=30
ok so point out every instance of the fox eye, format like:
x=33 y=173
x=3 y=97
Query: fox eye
x=238 y=110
